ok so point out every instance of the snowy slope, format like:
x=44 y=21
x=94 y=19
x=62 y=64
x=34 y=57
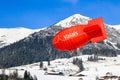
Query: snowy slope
x=11 y=35
x=117 y=27
x=73 y=20
x=92 y=69
x=110 y=47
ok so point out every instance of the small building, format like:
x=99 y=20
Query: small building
x=54 y=73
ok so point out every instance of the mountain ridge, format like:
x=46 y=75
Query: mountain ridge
x=11 y=35
x=38 y=46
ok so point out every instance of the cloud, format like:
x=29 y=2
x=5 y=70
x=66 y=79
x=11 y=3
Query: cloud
x=71 y=1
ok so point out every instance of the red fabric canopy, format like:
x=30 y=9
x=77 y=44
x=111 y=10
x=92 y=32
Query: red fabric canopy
x=77 y=36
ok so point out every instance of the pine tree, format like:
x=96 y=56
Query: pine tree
x=26 y=75
x=48 y=62
x=75 y=61
x=41 y=64
x=80 y=65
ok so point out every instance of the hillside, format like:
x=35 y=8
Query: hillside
x=37 y=46
x=109 y=66
x=11 y=35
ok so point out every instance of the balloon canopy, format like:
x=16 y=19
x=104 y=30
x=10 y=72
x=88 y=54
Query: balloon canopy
x=77 y=36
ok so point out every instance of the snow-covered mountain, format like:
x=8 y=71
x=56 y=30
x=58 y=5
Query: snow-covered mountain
x=73 y=20
x=11 y=35
x=38 y=46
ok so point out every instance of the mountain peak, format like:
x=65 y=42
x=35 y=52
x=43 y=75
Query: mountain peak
x=73 y=20
x=80 y=16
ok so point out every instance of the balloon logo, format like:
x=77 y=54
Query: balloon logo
x=74 y=37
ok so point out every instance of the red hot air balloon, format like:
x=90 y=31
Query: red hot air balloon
x=74 y=37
